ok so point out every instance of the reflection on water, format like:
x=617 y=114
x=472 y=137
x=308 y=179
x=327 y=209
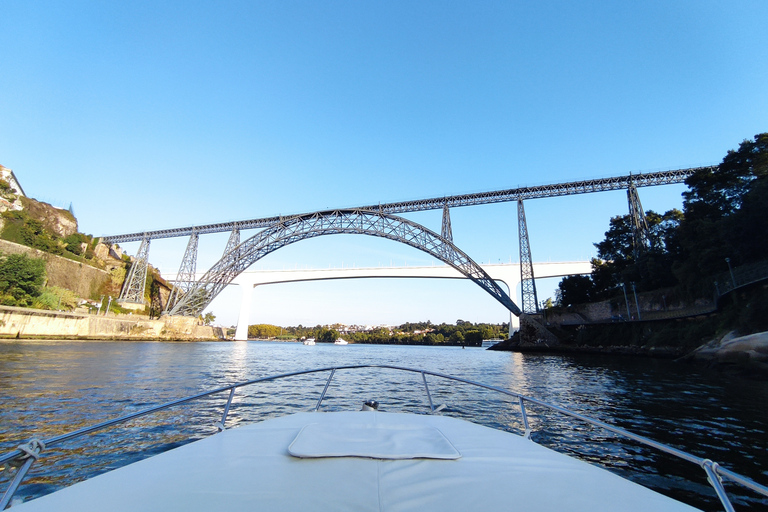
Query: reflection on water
x=49 y=388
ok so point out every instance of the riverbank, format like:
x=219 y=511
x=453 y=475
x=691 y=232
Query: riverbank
x=27 y=323
x=743 y=355
x=745 y=352
x=711 y=336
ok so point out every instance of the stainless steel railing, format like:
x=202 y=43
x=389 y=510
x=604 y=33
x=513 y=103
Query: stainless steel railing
x=27 y=454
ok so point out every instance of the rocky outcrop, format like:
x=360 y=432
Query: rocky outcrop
x=59 y=221
x=745 y=352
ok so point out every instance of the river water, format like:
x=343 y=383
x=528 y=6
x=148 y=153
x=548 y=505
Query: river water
x=51 y=387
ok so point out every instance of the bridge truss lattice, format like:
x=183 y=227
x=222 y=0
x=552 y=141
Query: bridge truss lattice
x=354 y=221
x=498 y=196
x=530 y=301
x=134 y=285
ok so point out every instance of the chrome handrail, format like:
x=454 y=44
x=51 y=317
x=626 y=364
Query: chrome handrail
x=27 y=454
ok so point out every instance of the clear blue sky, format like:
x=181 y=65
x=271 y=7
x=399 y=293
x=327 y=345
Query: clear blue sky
x=148 y=115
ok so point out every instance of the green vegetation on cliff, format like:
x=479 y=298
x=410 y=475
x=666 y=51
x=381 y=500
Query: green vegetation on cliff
x=21 y=280
x=724 y=222
x=51 y=230
x=721 y=236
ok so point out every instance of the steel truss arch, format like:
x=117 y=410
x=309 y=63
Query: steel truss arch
x=354 y=221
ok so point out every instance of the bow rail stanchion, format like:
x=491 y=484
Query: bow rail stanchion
x=429 y=395
x=220 y=424
x=325 y=389
x=31 y=452
x=24 y=456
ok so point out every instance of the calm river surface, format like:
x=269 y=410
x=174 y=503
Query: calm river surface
x=52 y=387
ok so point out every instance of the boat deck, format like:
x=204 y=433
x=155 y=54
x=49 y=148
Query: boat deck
x=401 y=462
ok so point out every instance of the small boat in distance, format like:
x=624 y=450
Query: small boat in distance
x=340 y=342
x=309 y=341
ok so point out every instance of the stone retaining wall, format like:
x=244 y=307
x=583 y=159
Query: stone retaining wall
x=82 y=279
x=36 y=323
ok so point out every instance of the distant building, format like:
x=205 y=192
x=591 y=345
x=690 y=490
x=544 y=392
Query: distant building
x=7 y=175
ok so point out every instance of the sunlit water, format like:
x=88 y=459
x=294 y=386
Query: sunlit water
x=49 y=388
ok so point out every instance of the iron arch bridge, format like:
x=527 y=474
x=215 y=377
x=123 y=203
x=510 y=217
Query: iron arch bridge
x=353 y=221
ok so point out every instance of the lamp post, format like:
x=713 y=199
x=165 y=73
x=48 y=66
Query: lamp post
x=730 y=269
x=637 y=304
x=626 y=301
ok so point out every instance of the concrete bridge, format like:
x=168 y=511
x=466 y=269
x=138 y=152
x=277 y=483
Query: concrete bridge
x=507 y=273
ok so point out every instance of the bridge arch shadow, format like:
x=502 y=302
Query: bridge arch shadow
x=352 y=221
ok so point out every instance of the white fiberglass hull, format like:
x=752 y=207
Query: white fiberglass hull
x=250 y=468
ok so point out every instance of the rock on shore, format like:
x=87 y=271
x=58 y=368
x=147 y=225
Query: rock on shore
x=749 y=352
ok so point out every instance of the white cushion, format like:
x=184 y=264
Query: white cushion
x=371 y=440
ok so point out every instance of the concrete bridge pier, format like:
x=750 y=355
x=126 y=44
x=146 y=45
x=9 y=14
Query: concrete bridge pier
x=241 y=332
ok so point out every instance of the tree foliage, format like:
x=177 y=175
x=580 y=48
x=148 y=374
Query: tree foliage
x=326 y=335
x=575 y=290
x=21 y=279
x=725 y=215
x=263 y=331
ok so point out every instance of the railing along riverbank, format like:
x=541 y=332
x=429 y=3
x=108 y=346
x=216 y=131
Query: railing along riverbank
x=650 y=306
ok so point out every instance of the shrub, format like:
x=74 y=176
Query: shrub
x=56 y=298
x=21 y=277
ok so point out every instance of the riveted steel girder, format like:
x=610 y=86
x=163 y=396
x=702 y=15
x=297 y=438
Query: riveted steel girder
x=185 y=279
x=360 y=222
x=234 y=239
x=135 y=283
x=640 y=232
x=527 y=283
x=499 y=196
x=446 y=231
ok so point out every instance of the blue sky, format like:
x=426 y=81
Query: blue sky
x=150 y=115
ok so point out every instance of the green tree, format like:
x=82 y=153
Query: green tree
x=616 y=262
x=575 y=290
x=263 y=331
x=724 y=215
x=473 y=338
x=326 y=335
x=21 y=279
x=715 y=194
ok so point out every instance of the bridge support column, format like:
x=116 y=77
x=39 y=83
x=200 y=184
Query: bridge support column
x=185 y=278
x=135 y=282
x=510 y=280
x=241 y=333
x=530 y=301
x=514 y=324
x=640 y=230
